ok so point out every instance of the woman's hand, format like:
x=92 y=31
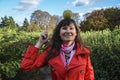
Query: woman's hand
x=43 y=38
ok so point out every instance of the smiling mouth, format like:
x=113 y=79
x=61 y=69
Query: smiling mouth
x=67 y=34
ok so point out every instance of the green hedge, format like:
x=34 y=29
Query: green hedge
x=105 y=49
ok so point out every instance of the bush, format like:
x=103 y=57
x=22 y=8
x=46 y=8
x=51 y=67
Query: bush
x=105 y=53
x=104 y=48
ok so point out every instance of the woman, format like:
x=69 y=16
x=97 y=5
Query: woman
x=68 y=58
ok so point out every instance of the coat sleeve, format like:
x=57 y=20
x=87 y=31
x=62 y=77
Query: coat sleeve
x=32 y=60
x=89 y=75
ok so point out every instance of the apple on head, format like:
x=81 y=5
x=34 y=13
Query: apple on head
x=67 y=14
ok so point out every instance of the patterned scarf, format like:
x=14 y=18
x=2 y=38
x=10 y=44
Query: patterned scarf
x=66 y=50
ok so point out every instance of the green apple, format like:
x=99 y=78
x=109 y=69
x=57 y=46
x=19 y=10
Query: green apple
x=67 y=14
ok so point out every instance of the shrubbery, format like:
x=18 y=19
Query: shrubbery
x=105 y=49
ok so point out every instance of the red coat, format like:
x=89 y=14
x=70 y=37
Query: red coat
x=80 y=67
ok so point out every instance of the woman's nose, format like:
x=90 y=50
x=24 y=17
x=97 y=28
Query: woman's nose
x=68 y=30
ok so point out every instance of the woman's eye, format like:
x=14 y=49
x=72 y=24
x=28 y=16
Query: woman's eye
x=64 y=28
x=71 y=28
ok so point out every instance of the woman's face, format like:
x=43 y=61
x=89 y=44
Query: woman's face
x=68 y=33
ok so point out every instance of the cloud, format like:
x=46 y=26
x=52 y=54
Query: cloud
x=118 y=5
x=80 y=2
x=77 y=3
x=27 y=4
x=84 y=11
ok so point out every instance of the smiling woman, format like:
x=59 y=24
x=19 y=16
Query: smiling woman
x=68 y=33
x=68 y=58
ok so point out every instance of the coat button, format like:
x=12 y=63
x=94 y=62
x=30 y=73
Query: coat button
x=82 y=71
x=52 y=69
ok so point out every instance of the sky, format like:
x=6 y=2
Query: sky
x=21 y=9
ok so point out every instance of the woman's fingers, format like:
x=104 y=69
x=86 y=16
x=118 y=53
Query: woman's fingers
x=46 y=28
x=45 y=36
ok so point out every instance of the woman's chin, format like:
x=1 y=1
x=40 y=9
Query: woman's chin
x=68 y=41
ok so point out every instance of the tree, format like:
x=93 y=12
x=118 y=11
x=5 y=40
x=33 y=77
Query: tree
x=76 y=17
x=4 y=22
x=25 y=24
x=56 y=19
x=40 y=18
x=33 y=27
x=101 y=19
x=113 y=17
x=12 y=23
x=8 y=22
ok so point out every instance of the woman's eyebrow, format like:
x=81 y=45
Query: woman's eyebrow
x=64 y=26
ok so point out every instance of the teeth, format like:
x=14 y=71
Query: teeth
x=68 y=34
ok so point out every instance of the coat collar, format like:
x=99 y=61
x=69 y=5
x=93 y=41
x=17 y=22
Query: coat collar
x=58 y=64
x=81 y=49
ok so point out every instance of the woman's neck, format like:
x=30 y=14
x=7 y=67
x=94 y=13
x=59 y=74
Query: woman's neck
x=68 y=43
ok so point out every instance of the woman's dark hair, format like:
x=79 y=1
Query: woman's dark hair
x=56 y=39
